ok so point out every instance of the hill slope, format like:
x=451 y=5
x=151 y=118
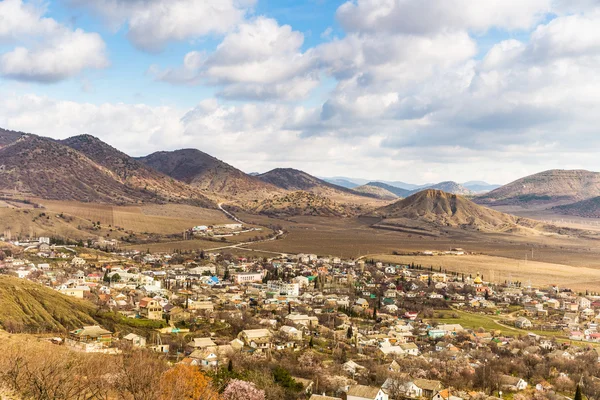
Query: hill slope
x=132 y=172
x=376 y=191
x=41 y=167
x=293 y=180
x=304 y=203
x=7 y=137
x=399 y=192
x=443 y=209
x=29 y=307
x=448 y=187
x=208 y=173
x=589 y=208
x=552 y=187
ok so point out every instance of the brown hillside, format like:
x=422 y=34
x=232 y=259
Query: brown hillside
x=134 y=173
x=548 y=187
x=210 y=174
x=376 y=191
x=449 y=210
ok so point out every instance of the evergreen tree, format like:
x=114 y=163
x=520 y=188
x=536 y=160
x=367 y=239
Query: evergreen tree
x=230 y=366
x=374 y=313
x=578 y=395
x=310 y=343
x=349 y=333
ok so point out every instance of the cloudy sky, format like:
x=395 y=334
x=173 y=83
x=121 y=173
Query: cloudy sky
x=412 y=90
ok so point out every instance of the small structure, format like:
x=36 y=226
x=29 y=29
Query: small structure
x=90 y=339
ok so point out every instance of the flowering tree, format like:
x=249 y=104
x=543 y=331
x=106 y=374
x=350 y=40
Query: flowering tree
x=242 y=390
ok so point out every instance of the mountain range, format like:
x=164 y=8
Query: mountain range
x=84 y=168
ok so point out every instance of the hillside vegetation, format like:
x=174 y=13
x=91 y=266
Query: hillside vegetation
x=29 y=307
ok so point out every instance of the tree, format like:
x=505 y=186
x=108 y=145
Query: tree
x=242 y=390
x=374 y=313
x=310 y=343
x=230 y=366
x=578 y=395
x=349 y=333
x=186 y=382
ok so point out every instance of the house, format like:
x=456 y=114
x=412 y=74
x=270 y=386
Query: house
x=427 y=387
x=445 y=395
x=304 y=320
x=246 y=277
x=151 y=309
x=352 y=367
x=78 y=291
x=361 y=392
x=256 y=338
x=323 y=397
x=201 y=343
x=291 y=332
x=135 y=340
x=90 y=339
x=512 y=383
x=523 y=323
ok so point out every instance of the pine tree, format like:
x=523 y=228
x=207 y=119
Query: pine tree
x=349 y=333
x=578 y=395
x=230 y=366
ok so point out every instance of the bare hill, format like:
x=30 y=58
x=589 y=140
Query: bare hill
x=399 y=192
x=441 y=209
x=210 y=174
x=294 y=180
x=134 y=173
x=376 y=191
x=448 y=187
x=554 y=187
x=29 y=307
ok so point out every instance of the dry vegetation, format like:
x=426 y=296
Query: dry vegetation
x=500 y=269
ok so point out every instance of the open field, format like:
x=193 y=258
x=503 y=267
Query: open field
x=471 y=320
x=499 y=269
x=160 y=219
x=354 y=237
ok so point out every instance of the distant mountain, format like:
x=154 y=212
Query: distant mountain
x=351 y=183
x=131 y=172
x=302 y=203
x=448 y=187
x=342 y=182
x=293 y=180
x=377 y=191
x=399 y=192
x=209 y=174
x=554 y=187
x=443 y=209
x=589 y=208
x=480 y=186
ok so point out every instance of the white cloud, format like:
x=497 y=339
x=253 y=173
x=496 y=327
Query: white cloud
x=259 y=60
x=55 y=52
x=430 y=16
x=152 y=24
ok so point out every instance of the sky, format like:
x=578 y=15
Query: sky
x=410 y=90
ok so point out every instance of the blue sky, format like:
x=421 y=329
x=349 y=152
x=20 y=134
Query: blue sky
x=413 y=90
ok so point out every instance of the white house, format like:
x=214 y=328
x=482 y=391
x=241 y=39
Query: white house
x=361 y=392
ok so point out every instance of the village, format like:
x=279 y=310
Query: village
x=342 y=329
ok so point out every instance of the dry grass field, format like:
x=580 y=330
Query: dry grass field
x=159 y=219
x=499 y=269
